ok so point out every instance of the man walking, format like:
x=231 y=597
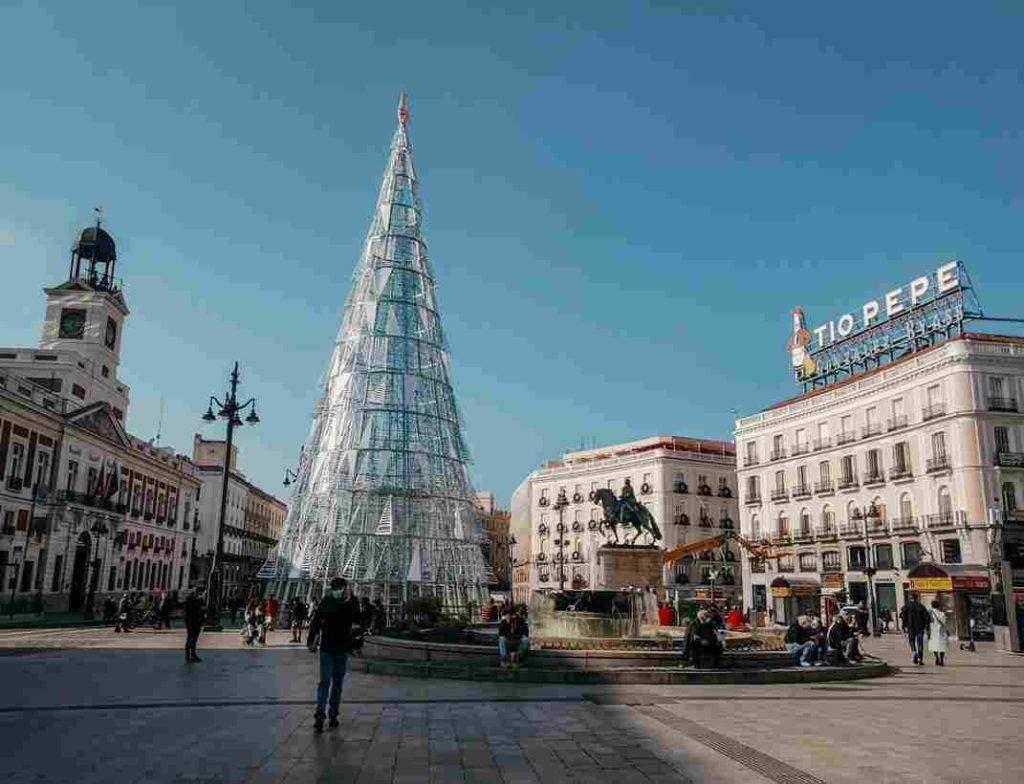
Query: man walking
x=332 y=624
x=164 y=611
x=195 y=613
x=915 y=620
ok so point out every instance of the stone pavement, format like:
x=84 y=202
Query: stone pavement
x=86 y=706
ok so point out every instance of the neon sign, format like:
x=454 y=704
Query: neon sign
x=926 y=310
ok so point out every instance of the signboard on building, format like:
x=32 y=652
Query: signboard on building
x=931 y=584
x=832 y=581
x=927 y=310
x=971 y=583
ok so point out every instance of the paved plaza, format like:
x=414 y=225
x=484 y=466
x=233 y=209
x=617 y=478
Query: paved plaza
x=85 y=705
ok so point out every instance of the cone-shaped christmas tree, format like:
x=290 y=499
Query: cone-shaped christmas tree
x=383 y=497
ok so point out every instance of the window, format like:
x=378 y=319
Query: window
x=830 y=561
x=780 y=481
x=755 y=528
x=17 y=455
x=702 y=482
x=849 y=469
x=951 y=551
x=828 y=518
x=945 y=503
x=939 y=445
x=823 y=432
x=26 y=576
x=874 y=462
x=801 y=439
x=825 y=472
x=72 y=475
x=544 y=493
x=995 y=386
x=808 y=562
x=1002 y=439
x=801 y=477
x=783 y=524
x=58 y=567
x=42 y=468
x=871 y=419
x=883 y=556
x=911 y=554
x=1009 y=497
x=105 y=372
x=753 y=491
x=78 y=391
x=906 y=507
x=805 y=522
x=90 y=481
x=786 y=563
x=751 y=452
x=855 y=557
x=934 y=395
x=899 y=409
x=901 y=458
x=778 y=445
x=846 y=425
x=722 y=484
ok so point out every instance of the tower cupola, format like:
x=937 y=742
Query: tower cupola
x=94 y=257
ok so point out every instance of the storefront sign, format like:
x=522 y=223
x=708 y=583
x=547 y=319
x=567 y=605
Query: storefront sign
x=970 y=583
x=927 y=309
x=931 y=584
x=781 y=593
x=832 y=581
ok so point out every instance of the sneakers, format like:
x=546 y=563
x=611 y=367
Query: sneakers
x=816 y=663
x=805 y=664
x=318 y=725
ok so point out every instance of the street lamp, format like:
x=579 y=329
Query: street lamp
x=511 y=563
x=560 y=504
x=869 y=571
x=228 y=409
x=97 y=530
x=289 y=477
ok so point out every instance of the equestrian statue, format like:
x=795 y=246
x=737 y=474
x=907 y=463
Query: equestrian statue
x=626 y=510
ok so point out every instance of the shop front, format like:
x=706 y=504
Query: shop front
x=794 y=596
x=964 y=592
x=833 y=593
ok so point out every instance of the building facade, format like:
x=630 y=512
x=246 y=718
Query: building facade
x=864 y=481
x=497 y=539
x=689 y=485
x=253 y=520
x=87 y=510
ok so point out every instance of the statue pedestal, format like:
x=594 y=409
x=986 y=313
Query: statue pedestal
x=623 y=566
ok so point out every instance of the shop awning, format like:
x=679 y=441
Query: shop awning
x=929 y=578
x=795 y=586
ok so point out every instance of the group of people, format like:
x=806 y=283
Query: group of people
x=918 y=621
x=513 y=636
x=811 y=644
x=133 y=605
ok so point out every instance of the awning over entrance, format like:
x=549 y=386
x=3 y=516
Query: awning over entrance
x=794 y=586
x=930 y=578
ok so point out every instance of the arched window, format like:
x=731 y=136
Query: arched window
x=783 y=524
x=877 y=507
x=755 y=527
x=945 y=504
x=805 y=522
x=906 y=507
x=1009 y=497
x=852 y=513
x=828 y=519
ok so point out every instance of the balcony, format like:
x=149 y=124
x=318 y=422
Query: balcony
x=903 y=525
x=778 y=454
x=831 y=568
x=14 y=483
x=822 y=443
x=804 y=535
x=848 y=483
x=801 y=449
x=802 y=491
x=933 y=411
x=750 y=460
x=845 y=438
x=851 y=528
x=1010 y=459
x=870 y=431
x=780 y=494
x=943 y=520
x=704 y=490
x=706 y=522
x=877 y=526
x=825 y=488
x=900 y=472
x=752 y=499
x=874 y=478
x=826 y=532
x=937 y=463
x=781 y=537
x=1002 y=403
x=896 y=423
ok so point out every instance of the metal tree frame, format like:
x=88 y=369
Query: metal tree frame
x=382 y=494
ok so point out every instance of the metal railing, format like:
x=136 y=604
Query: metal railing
x=780 y=494
x=752 y=498
x=851 y=528
x=750 y=460
x=937 y=463
x=824 y=487
x=996 y=403
x=903 y=524
x=802 y=491
x=845 y=438
x=876 y=526
x=896 y=423
x=1010 y=459
x=778 y=454
x=944 y=520
x=869 y=431
x=822 y=443
x=900 y=472
x=826 y=531
x=801 y=449
x=846 y=482
x=874 y=477
x=933 y=411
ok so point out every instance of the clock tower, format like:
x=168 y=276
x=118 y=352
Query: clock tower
x=84 y=318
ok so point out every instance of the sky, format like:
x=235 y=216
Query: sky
x=623 y=201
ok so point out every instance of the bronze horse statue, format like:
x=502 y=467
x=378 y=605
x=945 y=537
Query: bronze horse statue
x=625 y=511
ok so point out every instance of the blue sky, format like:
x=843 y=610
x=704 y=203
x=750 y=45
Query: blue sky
x=622 y=203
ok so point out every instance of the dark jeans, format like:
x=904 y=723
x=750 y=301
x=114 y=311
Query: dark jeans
x=165 y=619
x=916 y=644
x=332 y=674
x=191 y=638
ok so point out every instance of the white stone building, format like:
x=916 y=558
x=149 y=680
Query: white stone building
x=689 y=485
x=918 y=461
x=87 y=510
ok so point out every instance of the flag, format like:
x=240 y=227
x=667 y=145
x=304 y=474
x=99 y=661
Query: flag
x=113 y=481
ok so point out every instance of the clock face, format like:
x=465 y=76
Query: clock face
x=111 y=336
x=72 y=323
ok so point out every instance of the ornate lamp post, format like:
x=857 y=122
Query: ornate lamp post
x=289 y=477
x=869 y=571
x=229 y=409
x=560 y=504
x=511 y=563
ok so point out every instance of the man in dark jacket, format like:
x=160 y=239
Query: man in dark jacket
x=195 y=613
x=799 y=643
x=915 y=620
x=332 y=624
x=842 y=640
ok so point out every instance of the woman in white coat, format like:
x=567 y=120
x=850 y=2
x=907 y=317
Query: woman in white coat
x=938 y=633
